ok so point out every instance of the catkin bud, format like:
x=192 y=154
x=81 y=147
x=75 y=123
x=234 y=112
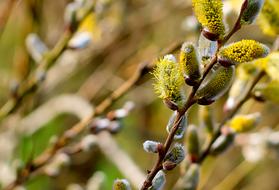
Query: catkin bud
x=151 y=146
x=251 y=11
x=176 y=155
x=181 y=126
x=189 y=64
x=215 y=85
x=241 y=52
x=244 y=123
x=206 y=119
x=269 y=18
x=169 y=81
x=36 y=47
x=121 y=184
x=192 y=143
x=159 y=181
x=210 y=15
x=223 y=142
x=190 y=180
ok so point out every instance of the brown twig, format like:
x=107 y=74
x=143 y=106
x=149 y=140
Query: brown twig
x=190 y=101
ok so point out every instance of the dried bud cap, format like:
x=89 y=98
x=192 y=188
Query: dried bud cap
x=151 y=146
x=169 y=165
x=241 y=52
x=169 y=81
x=121 y=184
x=36 y=47
x=210 y=15
x=190 y=180
x=222 y=143
x=215 y=85
x=176 y=155
x=192 y=143
x=251 y=10
x=181 y=126
x=244 y=123
x=159 y=181
x=269 y=18
x=206 y=119
x=189 y=64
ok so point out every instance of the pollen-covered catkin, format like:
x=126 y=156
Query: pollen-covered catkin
x=215 y=85
x=241 y=52
x=244 y=123
x=210 y=15
x=169 y=80
x=189 y=64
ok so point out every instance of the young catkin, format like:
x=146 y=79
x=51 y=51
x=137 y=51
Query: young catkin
x=210 y=15
x=189 y=64
x=215 y=85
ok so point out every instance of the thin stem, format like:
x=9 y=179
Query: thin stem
x=237 y=25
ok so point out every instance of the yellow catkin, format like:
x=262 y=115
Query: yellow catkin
x=215 y=85
x=210 y=15
x=269 y=18
x=243 y=51
x=168 y=79
x=244 y=123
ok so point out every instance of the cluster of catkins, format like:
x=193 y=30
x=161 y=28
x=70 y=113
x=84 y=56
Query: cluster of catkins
x=171 y=74
x=209 y=68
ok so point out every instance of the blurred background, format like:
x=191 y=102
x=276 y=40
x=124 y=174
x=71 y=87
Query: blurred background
x=123 y=34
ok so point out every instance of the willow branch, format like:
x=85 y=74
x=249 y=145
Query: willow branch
x=190 y=101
